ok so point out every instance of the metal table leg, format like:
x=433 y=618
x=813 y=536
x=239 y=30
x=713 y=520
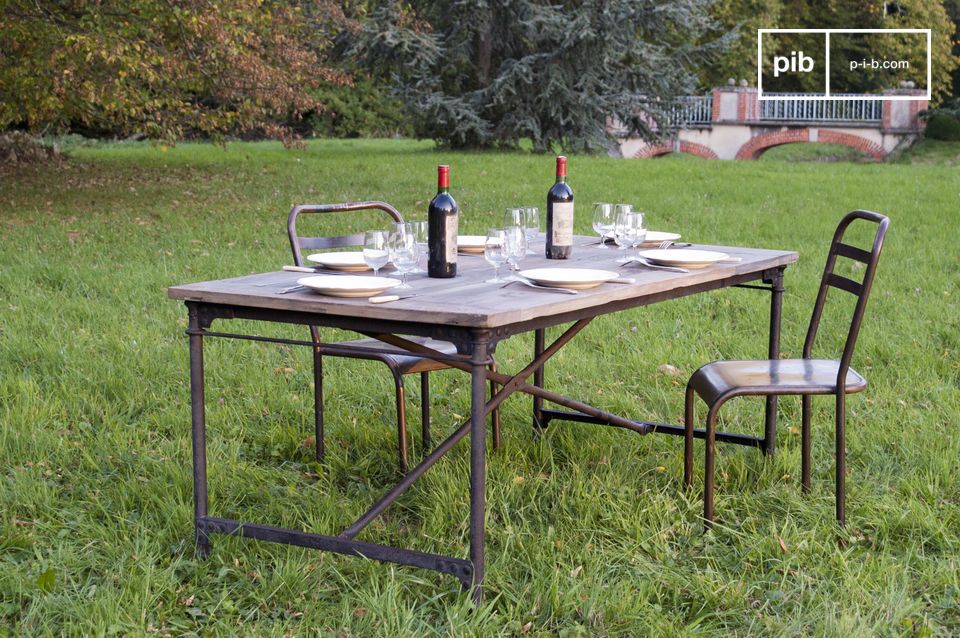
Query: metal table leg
x=773 y=352
x=478 y=443
x=539 y=337
x=199 y=427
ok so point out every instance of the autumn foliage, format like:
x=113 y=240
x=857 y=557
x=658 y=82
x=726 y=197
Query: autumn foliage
x=164 y=69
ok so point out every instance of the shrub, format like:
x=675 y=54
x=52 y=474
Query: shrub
x=364 y=109
x=18 y=147
x=942 y=126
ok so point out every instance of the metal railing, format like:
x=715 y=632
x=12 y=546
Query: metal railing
x=863 y=109
x=690 y=110
x=697 y=110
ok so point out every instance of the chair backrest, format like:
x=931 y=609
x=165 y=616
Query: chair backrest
x=860 y=290
x=298 y=244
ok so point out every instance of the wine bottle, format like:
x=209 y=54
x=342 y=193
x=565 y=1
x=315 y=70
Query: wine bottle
x=560 y=215
x=442 y=222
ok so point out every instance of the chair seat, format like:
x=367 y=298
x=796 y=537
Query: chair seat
x=724 y=379
x=406 y=362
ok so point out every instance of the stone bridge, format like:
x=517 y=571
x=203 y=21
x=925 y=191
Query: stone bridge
x=731 y=123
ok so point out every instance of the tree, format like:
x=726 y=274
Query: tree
x=160 y=68
x=740 y=59
x=750 y=15
x=482 y=73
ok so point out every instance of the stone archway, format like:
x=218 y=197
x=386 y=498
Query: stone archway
x=757 y=145
x=683 y=147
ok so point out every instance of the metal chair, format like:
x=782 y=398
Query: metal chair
x=400 y=364
x=719 y=381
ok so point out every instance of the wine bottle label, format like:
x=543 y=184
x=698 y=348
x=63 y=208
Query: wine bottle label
x=451 y=239
x=563 y=224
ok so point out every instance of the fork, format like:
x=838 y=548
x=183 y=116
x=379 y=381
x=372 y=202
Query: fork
x=527 y=282
x=668 y=244
x=649 y=264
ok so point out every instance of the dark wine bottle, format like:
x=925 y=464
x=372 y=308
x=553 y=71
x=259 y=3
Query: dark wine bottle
x=442 y=223
x=560 y=215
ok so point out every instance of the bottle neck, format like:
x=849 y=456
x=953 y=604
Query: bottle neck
x=561 y=169
x=443 y=179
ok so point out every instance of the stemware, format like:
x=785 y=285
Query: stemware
x=513 y=217
x=403 y=253
x=625 y=232
x=531 y=225
x=603 y=221
x=641 y=234
x=375 y=252
x=516 y=245
x=420 y=233
x=495 y=252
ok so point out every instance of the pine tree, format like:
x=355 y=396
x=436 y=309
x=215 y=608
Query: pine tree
x=488 y=73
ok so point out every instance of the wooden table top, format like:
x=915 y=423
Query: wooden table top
x=467 y=301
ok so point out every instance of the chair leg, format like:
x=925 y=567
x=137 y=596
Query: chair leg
x=805 y=467
x=318 y=404
x=495 y=415
x=401 y=420
x=708 y=466
x=688 y=438
x=841 y=459
x=425 y=410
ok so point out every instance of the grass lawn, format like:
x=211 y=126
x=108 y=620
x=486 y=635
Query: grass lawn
x=589 y=530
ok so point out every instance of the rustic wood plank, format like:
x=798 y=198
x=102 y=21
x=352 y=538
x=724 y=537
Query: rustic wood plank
x=468 y=301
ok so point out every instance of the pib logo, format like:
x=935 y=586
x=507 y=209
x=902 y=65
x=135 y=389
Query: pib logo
x=796 y=62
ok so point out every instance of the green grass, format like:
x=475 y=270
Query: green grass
x=589 y=530
x=936 y=152
x=818 y=152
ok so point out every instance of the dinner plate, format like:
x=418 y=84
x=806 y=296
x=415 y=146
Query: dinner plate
x=684 y=257
x=575 y=278
x=656 y=236
x=348 y=285
x=346 y=261
x=471 y=243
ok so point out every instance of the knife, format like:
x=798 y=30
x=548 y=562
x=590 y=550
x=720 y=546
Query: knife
x=389 y=298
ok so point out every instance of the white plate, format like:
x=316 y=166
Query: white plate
x=575 y=278
x=347 y=261
x=471 y=243
x=656 y=236
x=348 y=285
x=684 y=257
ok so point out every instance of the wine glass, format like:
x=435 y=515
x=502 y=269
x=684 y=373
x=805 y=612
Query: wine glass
x=513 y=217
x=531 y=217
x=641 y=234
x=403 y=253
x=624 y=233
x=375 y=252
x=420 y=233
x=495 y=252
x=516 y=245
x=603 y=221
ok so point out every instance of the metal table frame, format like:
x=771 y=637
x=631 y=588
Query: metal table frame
x=475 y=349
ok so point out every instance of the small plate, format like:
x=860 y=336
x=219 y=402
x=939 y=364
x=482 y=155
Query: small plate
x=656 y=236
x=575 y=278
x=684 y=257
x=472 y=244
x=346 y=261
x=348 y=285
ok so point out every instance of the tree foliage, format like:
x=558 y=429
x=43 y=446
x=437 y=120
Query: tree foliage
x=481 y=73
x=749 y=15
x=160 y=68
